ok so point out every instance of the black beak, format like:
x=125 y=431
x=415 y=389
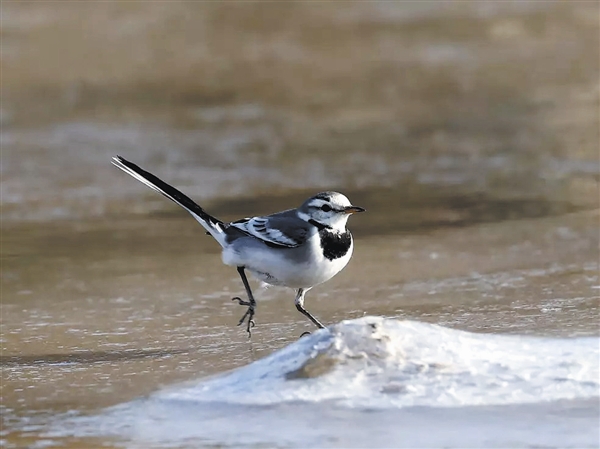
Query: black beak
x=353 y=209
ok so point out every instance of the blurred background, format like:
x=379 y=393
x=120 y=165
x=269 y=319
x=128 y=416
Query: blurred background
x=468 y=130
x=497 y=101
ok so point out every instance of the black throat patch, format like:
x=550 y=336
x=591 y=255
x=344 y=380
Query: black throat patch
x=335 y=245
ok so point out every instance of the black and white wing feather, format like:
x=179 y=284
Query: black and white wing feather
x=279 y=229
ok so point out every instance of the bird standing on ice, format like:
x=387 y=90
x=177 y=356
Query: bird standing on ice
x=297 y=248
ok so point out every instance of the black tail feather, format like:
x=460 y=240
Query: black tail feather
x=169 y=192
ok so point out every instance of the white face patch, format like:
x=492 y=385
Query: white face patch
x=327 y=208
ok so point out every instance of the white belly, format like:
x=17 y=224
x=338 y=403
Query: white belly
x=301 y=267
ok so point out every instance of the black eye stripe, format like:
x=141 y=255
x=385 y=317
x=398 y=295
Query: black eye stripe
x=328 y=208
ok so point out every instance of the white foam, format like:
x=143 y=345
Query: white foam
x=381 y=363
x=375 y=383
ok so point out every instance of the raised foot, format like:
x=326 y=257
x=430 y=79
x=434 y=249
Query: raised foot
x=249 y=314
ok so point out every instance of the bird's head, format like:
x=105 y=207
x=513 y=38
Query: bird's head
x=331 y=209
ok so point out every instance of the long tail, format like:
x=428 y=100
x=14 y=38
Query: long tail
x=215 y=227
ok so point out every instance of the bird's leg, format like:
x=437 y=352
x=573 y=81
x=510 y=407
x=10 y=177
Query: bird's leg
x=300 y=306
x=251 y=303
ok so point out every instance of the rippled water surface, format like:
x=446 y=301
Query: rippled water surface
x=469 y=132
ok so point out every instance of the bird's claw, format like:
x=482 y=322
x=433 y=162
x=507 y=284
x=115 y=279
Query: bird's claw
x=241 y=302
x=249 y=313
x=304 y=334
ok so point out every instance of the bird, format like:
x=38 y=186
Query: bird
x=296 y=248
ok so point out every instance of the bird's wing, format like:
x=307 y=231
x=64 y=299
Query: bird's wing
x=281 y=229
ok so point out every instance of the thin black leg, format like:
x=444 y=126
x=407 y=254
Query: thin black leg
x=300 y=306
x=251 y=303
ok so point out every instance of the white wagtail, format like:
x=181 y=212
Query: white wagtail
x=297 y=248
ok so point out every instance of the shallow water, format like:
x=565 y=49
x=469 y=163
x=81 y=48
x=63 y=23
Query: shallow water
x=370 y=382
